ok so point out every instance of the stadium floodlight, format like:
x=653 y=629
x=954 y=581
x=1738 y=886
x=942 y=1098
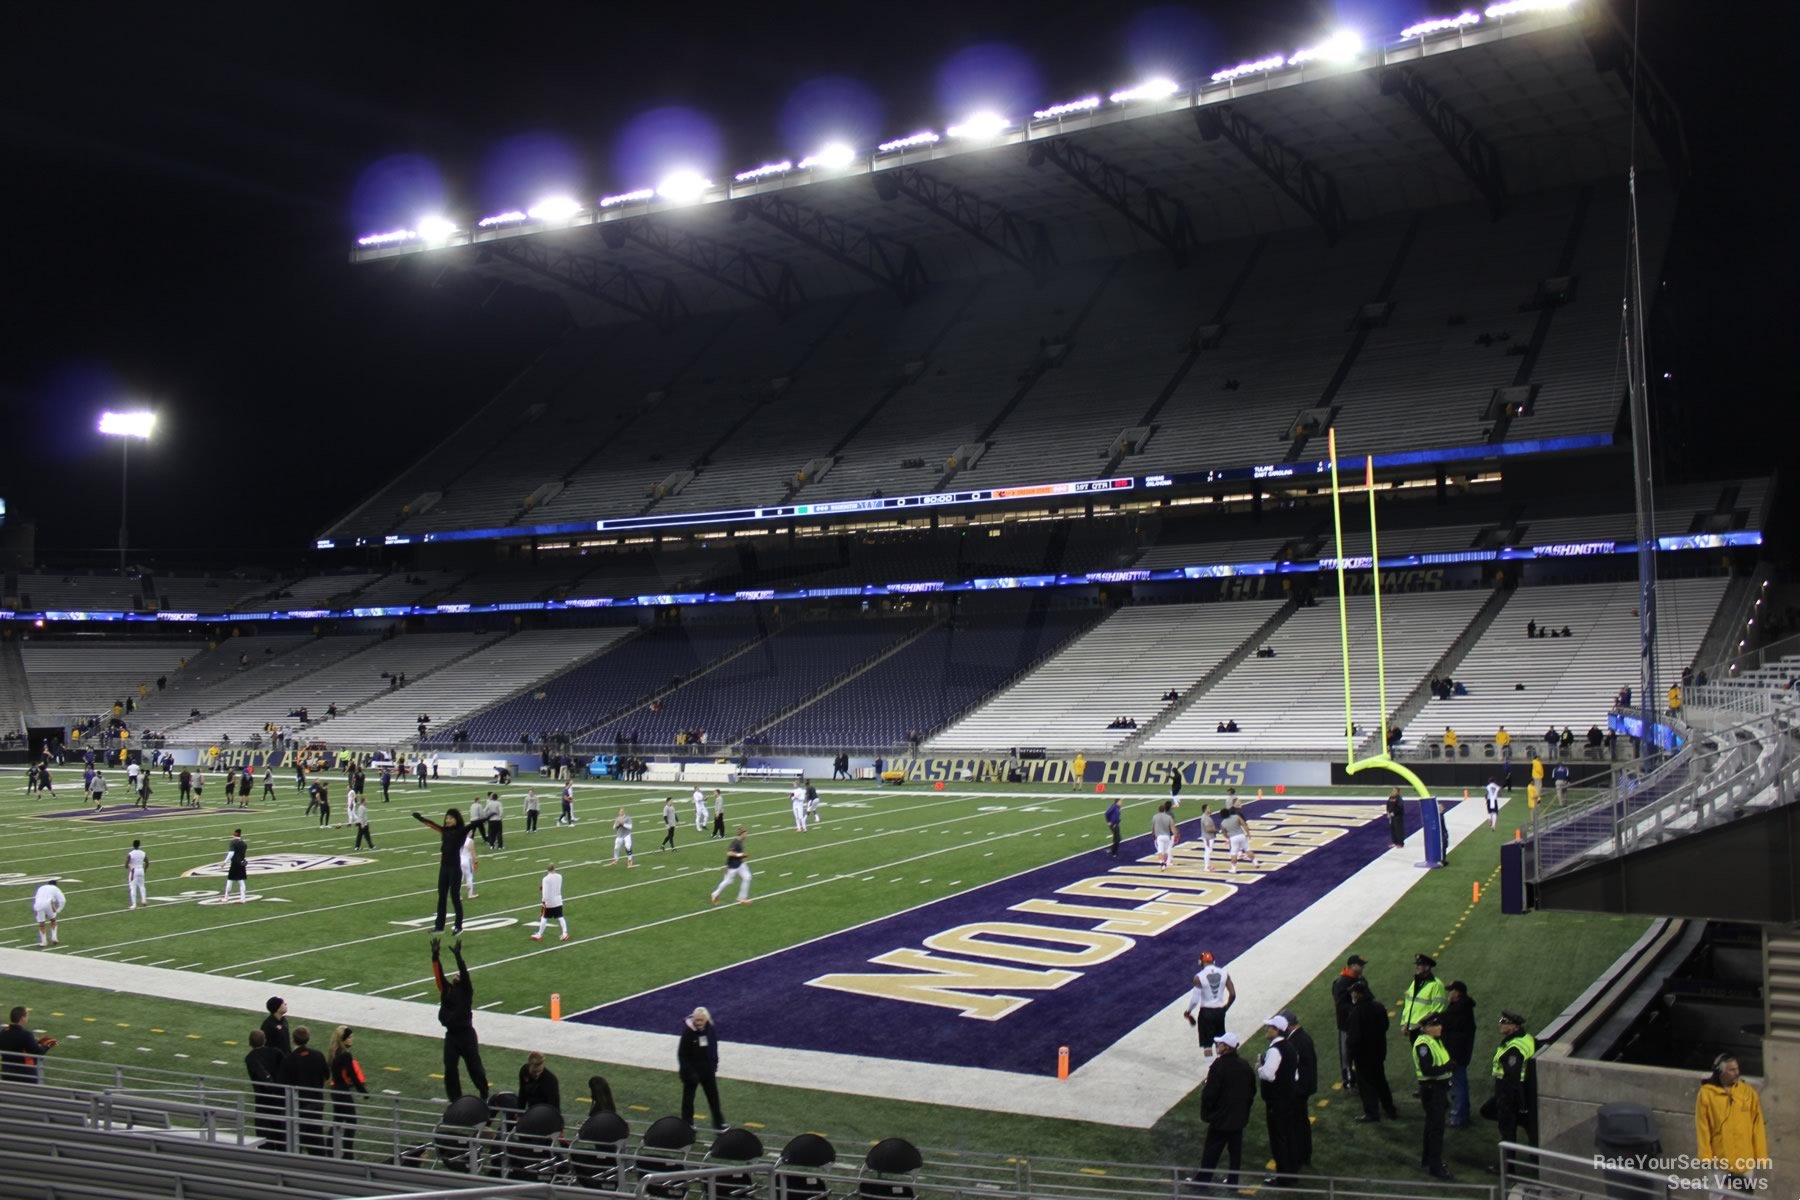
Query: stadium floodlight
x=634 y=197
x=128 y=424
x=512 y=217
x=388 y=238
x=1340 y=47
x=125 y=426
x=1151 y=89
x=1513 y=8
x=981 y=125
x=924 y=137
x=1439 y=25
x=554 y=208
x=764 y=171
x=683 y=186
x=1260 y=66
x=832 y=156
x=435 y=230
x=1067 y=109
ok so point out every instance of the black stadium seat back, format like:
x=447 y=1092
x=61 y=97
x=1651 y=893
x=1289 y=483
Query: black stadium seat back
x=735 y=1146
x=669 y=1133
x=606 y=1128
x=888 y=1170
x=540 y=1121
x=468 y=1111
x=894 y=1156
x=505 y=1104
x=808 y=1150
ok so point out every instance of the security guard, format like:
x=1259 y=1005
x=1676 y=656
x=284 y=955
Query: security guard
x=1432 y=1065
x=1424 y=995
x=1515 y=1082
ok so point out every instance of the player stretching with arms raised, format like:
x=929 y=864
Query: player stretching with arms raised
x=737 y=864
x=455 y=835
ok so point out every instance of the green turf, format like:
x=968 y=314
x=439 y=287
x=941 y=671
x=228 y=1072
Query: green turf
x=336 y=928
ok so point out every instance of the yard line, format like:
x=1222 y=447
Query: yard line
x=133 y=958
x=415 y=995
x=340 y=987
x=104 y=954
x=489 y=1004
x=159 y=962
x=310 y=982
x=189 y=966
x=525 y=1012
x=279 y=978
x=248 y=974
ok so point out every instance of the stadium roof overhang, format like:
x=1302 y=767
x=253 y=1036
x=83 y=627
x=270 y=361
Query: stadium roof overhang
x=1466 y=115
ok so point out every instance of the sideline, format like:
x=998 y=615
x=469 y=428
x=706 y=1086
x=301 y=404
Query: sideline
x=1132 y=1084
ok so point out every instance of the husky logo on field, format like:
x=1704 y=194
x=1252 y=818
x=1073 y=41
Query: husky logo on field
x=278 y=864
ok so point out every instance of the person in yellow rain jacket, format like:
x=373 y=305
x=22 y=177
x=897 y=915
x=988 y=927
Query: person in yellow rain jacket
x=1077 y=770
x=1728 y=1124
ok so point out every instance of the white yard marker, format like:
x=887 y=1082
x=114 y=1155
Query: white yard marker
x=488 y=1005
x=523 y=1012
x=340 y=987
x=278 y=978
x=159 y=962
x=415 y=995
x=310 y=982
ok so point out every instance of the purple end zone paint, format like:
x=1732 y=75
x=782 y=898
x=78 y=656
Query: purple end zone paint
x=767 y=1002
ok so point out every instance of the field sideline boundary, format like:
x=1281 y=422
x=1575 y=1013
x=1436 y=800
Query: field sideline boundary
x=1132 y=1084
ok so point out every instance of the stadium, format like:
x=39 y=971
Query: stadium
x=1029 y=561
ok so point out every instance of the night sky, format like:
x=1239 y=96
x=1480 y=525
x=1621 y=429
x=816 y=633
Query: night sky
x=184 y=181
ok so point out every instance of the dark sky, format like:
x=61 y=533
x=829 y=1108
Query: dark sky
x=183 y=185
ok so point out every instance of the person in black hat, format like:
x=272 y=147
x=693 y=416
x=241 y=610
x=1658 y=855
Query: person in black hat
x=1459 y=1038
x=1433 y=1067
x=1368 y=1037
x=1340 y=1001
x=1515 y=1083
x=275 y=1026
x=1424 y=995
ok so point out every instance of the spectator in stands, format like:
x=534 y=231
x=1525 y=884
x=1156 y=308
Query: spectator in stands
x=537 y=1083
x=1449 y=740
x=1729 y=1126
x=1457 y=688
x=263 y=1062
x=1566 y=741
x=697 y=1059
x=600 y=1096
x=1231 y=726
x=1594 y=737
x=1623 y=699
x=1566 y=632
x=1551 y=737
x=21 y=1051
x=1674 y=699
x=306 y=1071
x=1531 y=628
x=1225 y=1102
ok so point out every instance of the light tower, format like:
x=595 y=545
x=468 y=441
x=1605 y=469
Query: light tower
x=125 y=426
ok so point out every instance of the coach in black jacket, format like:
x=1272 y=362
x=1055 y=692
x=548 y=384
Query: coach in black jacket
x=1366 y=1027
x=1279 y=1071
x=1225 y=1101
x=306 y=1071
x=264 y=1064
x=1306 y=1083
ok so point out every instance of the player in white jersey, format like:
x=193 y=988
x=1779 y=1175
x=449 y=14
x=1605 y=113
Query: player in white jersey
x=1212 y=993
x=550 y=903
x=737 y=866
x=1162 y=828
x=46 y=907
x=136 y=864
x=1493 y=802
x=797 y=798
x=700 y=813
x=622 y=839
x=468 y=865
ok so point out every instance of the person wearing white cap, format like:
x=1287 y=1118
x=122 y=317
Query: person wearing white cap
x=46 y=907
x=1279 y=1070
x=1225 y=1102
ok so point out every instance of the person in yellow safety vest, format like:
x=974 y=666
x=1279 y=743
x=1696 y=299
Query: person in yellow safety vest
x=1424 y=996
x=1515 y=1083
x=1729 y=1126
x=1502 y=739
x=1432 y=1065
x=1674 y=698
x=1533 y=793
x=1077 y=770
x=1449 y=738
